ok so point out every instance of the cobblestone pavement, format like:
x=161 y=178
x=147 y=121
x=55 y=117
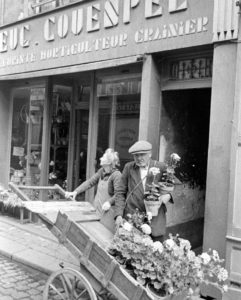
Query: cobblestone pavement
x=19 y=282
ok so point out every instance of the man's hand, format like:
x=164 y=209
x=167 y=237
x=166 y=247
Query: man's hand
x=71 y=194
x=118 y=222
x=106 y=206
x=165 y=198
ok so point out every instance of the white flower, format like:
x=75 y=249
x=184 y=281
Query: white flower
x=154 y=171
x=190 y=291
x=127 y=226
x=157 y=246
x=147 y=241
x=206 y=258
x=197 y=262
x=225 y=288
x=200 y=274
x=146 y=228
x=171 y=290
x=185 y=244
x=175 y=156
x=215 y=255
x=52 y=175
x=51 y=163
x=222 y=275
x=149 y=215
x=170 y=243
x=191 y=255
x=177 y=251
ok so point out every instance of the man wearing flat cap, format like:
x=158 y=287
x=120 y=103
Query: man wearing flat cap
x=135 y=180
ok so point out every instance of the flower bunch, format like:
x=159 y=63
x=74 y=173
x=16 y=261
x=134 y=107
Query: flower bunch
x=170 y=267
x=168 y=176
x=153 y=192
x=140 y=221
x=129 y=237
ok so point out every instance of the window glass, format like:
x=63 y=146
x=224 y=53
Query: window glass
x=119 y=110
x=27 y=128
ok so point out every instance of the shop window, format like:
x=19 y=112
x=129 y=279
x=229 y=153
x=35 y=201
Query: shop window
x=60 y=123
x=27 y=128
x=119 y=110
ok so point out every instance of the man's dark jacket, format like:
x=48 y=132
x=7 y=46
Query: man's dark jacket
x=130 y=194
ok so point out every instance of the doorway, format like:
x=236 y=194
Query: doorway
x=184 y=130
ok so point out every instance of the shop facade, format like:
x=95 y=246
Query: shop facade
x=89 y=75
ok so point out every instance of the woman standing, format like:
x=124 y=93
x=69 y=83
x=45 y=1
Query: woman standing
x=107 y=179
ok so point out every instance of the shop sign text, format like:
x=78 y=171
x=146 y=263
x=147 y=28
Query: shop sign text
x=93 y=27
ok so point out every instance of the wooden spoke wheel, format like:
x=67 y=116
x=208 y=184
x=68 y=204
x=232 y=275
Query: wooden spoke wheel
x=68 y=284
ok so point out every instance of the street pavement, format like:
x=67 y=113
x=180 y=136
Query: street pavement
x=20 y=282
x=32 y=245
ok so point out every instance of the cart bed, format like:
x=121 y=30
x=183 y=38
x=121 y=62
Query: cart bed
x=88 y=241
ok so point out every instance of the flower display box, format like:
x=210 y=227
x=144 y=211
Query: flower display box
x=170 y=268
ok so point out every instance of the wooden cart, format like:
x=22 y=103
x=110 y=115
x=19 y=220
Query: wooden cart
x=77 y=226
x=100 y=275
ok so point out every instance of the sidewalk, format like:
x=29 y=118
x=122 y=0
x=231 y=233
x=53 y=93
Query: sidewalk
x=33 y=245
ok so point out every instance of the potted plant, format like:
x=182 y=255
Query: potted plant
x=168 y=179
x=155 y=190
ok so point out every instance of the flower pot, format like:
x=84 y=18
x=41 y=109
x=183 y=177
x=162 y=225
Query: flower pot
x=155 y=294
x=164 y=188
x=152 y=207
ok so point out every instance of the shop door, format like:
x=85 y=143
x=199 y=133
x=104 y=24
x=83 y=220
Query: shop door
x=185 y=130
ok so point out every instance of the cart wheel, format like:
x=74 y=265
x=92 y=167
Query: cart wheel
x=68 y=284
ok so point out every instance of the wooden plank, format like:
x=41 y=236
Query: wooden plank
x=60 y=190
x=36 y=206
x=36 y=187
x=98 y=232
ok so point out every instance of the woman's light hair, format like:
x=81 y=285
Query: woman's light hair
x=110 y=157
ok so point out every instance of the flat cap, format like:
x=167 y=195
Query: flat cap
x=140 y=147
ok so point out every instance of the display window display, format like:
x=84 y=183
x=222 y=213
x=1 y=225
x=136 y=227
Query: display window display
x=27 y=130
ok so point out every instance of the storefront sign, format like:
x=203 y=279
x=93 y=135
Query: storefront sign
x=100 y=30
x=192 y=68
x=124 y=87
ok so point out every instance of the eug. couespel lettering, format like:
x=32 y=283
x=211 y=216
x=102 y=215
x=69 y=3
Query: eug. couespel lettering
x=87 y=18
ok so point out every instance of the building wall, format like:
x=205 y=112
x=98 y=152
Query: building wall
x=218 y=174
x=5 y=121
